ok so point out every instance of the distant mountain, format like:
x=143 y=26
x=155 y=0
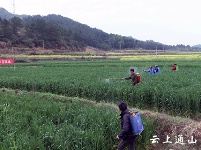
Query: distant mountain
x=58 y=32
x=197 y=46
x=4 y=14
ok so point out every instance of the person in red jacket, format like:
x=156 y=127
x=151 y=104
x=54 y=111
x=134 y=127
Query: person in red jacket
x=174 y=67
x=126 y=135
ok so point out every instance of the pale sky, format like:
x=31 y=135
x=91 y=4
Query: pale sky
x=166 y=21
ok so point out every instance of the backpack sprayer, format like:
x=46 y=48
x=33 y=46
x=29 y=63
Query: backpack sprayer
x=136 y=122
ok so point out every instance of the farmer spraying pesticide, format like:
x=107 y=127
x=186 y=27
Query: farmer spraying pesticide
x=135 y=78
x=150 y=70
x=175 y=67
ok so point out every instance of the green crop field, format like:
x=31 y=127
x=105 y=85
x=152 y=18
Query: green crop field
x=176 y=93
x=36 y=121
x=173 y=93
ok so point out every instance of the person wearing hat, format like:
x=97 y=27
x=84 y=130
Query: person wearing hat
x=126 y=135
x=150 y=70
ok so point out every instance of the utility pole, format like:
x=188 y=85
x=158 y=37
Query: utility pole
x=156 y=48
x=43 y=43
x=120 y=44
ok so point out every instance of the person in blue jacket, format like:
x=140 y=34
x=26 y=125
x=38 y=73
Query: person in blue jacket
x=157 y=69
x=150 y=70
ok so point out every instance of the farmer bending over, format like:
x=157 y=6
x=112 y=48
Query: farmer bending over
x=133 y=77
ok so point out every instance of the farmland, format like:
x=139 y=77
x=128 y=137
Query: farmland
x=47 y=121
x=176 y=93
x=172 y=93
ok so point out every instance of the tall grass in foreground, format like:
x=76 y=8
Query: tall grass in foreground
x=36 y=121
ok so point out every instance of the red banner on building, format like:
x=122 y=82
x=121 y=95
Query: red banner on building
x=6 y=61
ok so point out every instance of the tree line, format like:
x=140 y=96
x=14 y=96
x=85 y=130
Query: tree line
x=58 y=32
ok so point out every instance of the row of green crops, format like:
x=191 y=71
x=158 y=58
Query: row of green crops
x=175 y=93
x=36 y=121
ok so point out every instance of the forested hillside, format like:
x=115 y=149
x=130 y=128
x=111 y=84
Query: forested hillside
x=58 y=32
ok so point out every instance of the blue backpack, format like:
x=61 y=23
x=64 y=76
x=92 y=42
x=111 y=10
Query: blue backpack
x=136 y=122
